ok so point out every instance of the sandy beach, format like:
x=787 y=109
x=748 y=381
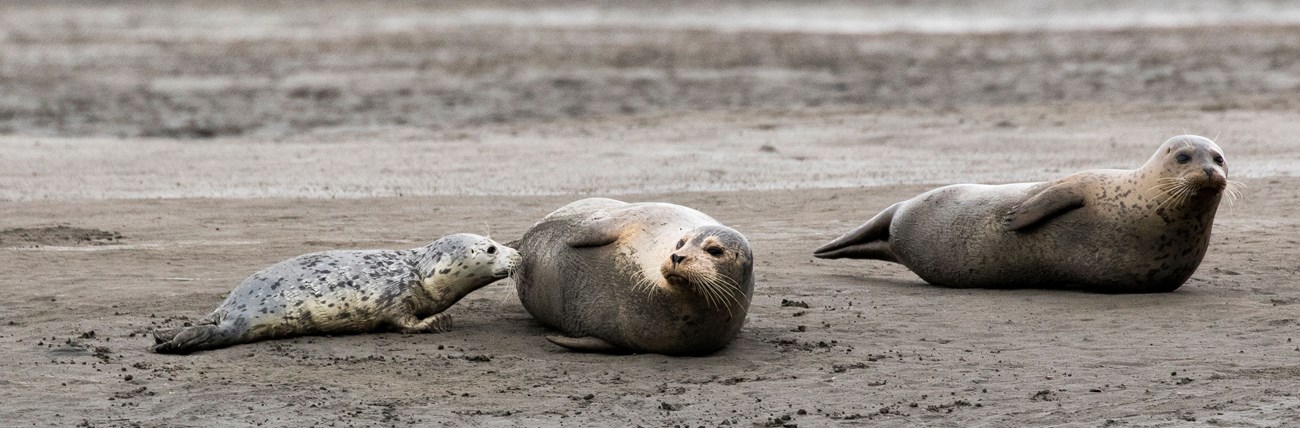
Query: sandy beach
x=153 y=157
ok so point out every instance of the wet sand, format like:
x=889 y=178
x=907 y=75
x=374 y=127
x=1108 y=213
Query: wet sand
x=110 y=230
x=873 y=343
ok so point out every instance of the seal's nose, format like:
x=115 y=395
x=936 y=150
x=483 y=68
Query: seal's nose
x=1209 y=172
x=676 y=258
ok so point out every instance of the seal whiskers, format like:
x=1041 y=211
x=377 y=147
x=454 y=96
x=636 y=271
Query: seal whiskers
x=726 y=287
x=1234 y=191
x=708 y=284
x=1175 y=196
x=650 y=285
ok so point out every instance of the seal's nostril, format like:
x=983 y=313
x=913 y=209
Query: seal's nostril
x=1209 y=172
x=676 y=258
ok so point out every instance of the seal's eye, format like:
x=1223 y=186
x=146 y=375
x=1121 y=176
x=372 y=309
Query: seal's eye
x=1218 y=160
x=1183 y=158
x=681 y=243
x=492 y=250
x=714 y=251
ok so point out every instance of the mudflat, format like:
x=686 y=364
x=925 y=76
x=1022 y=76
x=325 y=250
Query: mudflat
x=197 y=156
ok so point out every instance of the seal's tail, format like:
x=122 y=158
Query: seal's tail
x=869 y=241
x=196 y=338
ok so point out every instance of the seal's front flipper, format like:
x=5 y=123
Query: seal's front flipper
x=164 y=336
x=596 y=233
x=586 y=344
x=197 y=338
x=439 y=323
x=869 y=241
x=1047 y=204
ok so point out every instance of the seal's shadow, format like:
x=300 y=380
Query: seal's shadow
x=897 y=283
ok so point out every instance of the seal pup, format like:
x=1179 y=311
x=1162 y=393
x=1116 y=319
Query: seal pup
x=1137 y=231
x=349 y=292
x=621 y=277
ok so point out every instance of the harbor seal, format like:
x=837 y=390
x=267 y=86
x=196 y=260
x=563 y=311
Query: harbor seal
x=1141 y=230
x=621 y=277
x=349 y=292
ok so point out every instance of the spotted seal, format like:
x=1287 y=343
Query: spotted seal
x=1141 y=230
x=621 y=277
x=349 y=292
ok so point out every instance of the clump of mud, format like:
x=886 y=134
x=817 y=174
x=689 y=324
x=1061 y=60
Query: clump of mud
x=57 y=236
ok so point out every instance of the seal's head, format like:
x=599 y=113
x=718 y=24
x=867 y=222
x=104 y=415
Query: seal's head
x=468 y=256
x=1190 y=164
x=1190 y=175
x=713 y=261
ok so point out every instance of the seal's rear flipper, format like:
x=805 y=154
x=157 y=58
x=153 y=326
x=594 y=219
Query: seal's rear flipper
x=874 y=250
x=586 y=344
x=197 y=338
x=1044 y=206
x=869 y=241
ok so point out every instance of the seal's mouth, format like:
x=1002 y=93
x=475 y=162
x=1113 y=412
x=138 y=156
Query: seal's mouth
x=1176 y=192
x=710 y=289
x=504 y=272
x=1211 y=185
x=1208 y=179
x=509 y=269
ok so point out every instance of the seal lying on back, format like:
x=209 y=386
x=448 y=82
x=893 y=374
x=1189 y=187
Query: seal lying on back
x=644 y=277
x=349 y=292
x=1142 y=230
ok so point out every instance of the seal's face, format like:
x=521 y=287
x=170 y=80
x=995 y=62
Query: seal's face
x=713 y=261
x=473 y=256
x=1192 y=164
x=1188 y=173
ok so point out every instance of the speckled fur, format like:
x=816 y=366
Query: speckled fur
x=349 y=292
x=596 y=269
x=1117 y=232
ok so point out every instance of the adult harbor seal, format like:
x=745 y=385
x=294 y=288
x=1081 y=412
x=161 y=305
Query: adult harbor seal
x=640 y=277
x=1142 y=230
x=349 y=292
